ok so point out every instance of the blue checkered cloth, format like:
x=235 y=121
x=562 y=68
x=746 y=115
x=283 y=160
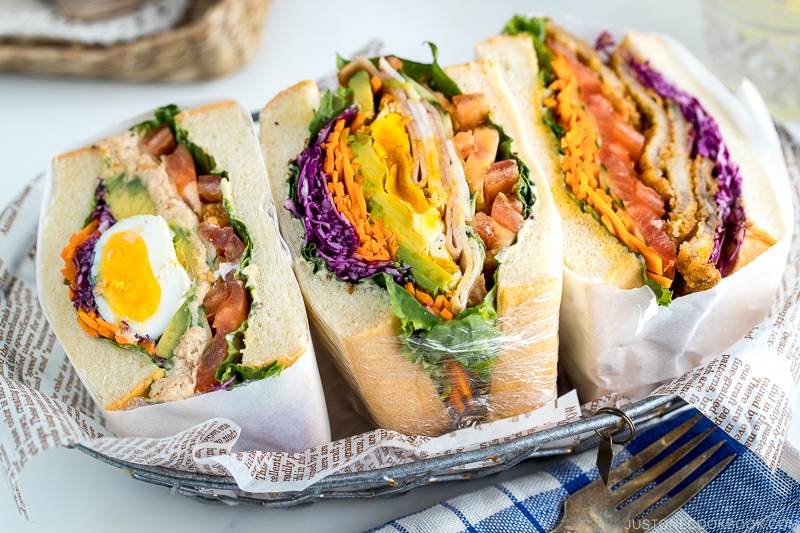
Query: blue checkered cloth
x=746 y=496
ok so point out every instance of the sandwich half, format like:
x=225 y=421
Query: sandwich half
x=660 y=196
x=158 y=269
x=428 y=256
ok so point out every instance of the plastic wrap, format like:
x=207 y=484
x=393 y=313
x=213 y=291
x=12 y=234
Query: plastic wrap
x=480 y=345
x=262 y=408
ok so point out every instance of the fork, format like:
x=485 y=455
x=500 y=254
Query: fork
x=596 y=507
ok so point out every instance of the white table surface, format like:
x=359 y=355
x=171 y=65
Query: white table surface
x=66 y=490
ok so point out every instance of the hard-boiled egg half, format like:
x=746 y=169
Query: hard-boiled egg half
x=137 y=277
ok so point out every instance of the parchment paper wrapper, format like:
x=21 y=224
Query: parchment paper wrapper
x=748 y=390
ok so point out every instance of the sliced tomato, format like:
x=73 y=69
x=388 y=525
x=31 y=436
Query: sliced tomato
x=508 y=212
x=226 y=308
x=181 y=171
x=208 y=188
x=494 y=236
x=464 y=143
x=233 y=310
x=588 y=81
x=642 y=203
x=487 y=140
x=501 y=177
x=629 y=137
x=624 y=182
x=470 y=110
x=224 y=239
x=612 y=128
x=209 y=362
x=159 y=141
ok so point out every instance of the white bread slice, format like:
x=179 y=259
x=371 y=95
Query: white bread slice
x=607 y=261
x=529 y=279
x=112 y=375
x=360 y=329
x=115 y=375
x=277 y=328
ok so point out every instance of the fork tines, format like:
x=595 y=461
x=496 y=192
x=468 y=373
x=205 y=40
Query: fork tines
x=639 y=505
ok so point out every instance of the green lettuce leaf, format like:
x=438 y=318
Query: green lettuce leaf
x=330 y=106
x=162 y=115
x=431 y=74
x=663 y=294
x=526 y=188
x=472 y=339
x=536 y=27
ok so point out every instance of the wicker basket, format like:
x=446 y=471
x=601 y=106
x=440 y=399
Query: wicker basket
x=216 y=38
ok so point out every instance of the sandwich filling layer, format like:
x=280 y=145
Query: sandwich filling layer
x=642 y=157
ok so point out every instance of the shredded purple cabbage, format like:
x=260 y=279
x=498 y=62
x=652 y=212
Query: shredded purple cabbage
x=225 y=385
x=83 y=297
x=706 y=141
x=84 y=253
x=604 y=43
x=102 y=211
x=328 y=232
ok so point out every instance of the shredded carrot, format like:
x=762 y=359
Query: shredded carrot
x=148 y=345
x=581 y=172
x=440 y=305
x=358 y=120
x=460 y=391
x=87 y=329
x=376 y=84
x=68 y=253
x=376 y=243
x=424 y=298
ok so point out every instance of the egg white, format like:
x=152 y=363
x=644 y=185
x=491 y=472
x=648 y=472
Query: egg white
x=170 y=275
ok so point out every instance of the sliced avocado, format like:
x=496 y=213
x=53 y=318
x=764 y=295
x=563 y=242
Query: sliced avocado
x=202 y=321
x=429 y=276
x=128 y=197
x=397 y=218
x=176 y=327
x=362 y=93
x=184 y=249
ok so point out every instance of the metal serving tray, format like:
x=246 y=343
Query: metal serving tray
x=402 y=478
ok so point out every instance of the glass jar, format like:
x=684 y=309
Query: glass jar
x=758 y=40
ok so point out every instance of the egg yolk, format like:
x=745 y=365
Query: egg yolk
x=392 y=144
x=126 y=279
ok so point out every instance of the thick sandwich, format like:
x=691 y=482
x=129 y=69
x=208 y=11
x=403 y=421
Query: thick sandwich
x=656 y=188
x=160 y=273
x=427 y=254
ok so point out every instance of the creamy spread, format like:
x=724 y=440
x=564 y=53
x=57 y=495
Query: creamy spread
x=179 y=381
